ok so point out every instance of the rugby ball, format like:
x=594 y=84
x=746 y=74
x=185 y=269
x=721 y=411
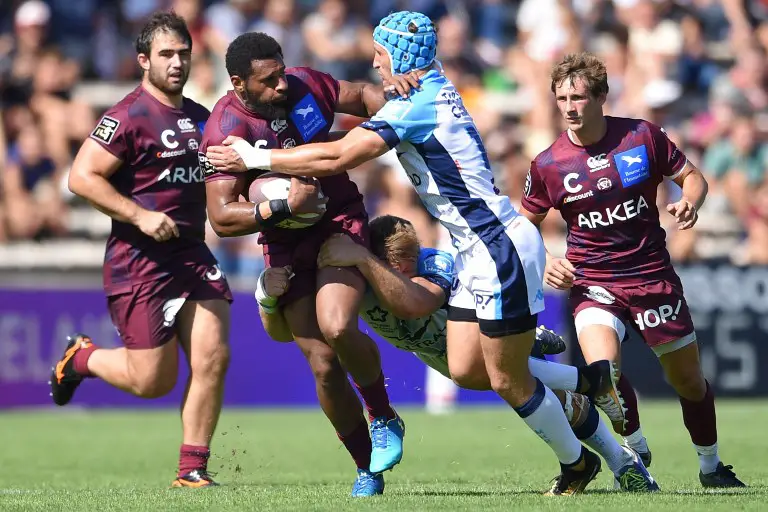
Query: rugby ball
x=273 y=185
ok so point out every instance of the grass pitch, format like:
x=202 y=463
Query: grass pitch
x=275 y=460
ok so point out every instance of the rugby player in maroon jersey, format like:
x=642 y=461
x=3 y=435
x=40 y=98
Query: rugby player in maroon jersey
x=602 y=174
x=164 y=288
x=287 y=107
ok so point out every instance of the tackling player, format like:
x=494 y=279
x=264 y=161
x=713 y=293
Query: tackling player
x=602 y=174
x=288 y=107
x=501 y=258
x=405 y=304
x=164 y=288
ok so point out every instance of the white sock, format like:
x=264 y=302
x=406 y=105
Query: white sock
x=554 y=375
x=603 y=442
x=549 y=422
x=637 y=441
x=441 y=392
x=708 y=458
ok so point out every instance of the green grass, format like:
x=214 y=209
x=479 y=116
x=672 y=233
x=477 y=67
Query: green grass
x=477 y=459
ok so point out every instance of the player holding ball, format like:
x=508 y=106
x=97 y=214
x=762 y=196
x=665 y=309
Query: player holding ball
x=287 y=107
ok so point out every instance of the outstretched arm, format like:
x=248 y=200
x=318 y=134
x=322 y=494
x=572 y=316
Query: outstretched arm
x=312 y=160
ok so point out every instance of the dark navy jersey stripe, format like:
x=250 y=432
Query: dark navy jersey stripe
x=384 y=130
x=484 y=223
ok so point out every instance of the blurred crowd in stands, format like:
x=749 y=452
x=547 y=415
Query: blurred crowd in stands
x=696 y=67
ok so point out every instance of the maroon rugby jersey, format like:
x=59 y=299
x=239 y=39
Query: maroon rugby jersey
x=606 y=193
x=158 y=145
x=312 y=99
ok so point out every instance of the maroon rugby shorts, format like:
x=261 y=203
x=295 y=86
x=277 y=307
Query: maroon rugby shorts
x=301 y=250
x=656 y=309
x=145 y=316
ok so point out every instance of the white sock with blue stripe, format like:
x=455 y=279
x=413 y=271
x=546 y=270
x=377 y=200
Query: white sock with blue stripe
x=596 y=435
x=544 y=415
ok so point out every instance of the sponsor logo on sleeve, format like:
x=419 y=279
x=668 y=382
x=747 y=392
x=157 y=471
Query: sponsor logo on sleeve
x=106 y=129
x=527 y=189
x=205 y=164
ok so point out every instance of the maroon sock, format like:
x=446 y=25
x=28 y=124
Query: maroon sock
x=193 y=457
x=80 y=360
x=632 y=415
x=358 y=444
x=376 y=399
x=700 y=418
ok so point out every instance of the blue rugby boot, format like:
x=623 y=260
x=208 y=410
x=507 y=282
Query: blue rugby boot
x=367 y=484
x=387 y=440
x=634 y=477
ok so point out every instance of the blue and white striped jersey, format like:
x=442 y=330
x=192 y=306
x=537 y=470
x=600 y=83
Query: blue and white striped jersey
x=441 y=151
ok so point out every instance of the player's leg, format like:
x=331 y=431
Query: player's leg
x=203 y=329
x=660 y=313
x=334 y=393
x=467 y=365
x=148 y=364
x=339 y=293
x=630 y=474
x=506 y=360
x=600 y=332
x=682 y=369
x=504 y=276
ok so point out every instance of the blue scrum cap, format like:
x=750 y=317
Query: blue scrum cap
x=409 y=38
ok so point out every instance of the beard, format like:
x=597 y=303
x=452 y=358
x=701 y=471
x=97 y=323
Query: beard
x=276 y=110
x=160 y=79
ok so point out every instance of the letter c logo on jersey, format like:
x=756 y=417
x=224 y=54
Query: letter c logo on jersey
x=166 y=138
x=567 y=182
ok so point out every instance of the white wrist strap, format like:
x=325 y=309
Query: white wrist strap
x=267 y=303
x=254 y=157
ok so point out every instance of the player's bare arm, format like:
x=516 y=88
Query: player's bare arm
x=273 y=283
x=695 y=187
x=311 y=160
x=364 y=99
x=405 y=298
x=89 y=178
x=231 y=217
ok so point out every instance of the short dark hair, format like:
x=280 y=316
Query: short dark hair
x=393 y=239
x=165 y=22
x=247 y=48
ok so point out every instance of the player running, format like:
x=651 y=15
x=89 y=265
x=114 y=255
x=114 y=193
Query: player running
x=602 y=173
x=289 y=107
x=406 y=305
x=501 y=257
x=164 y=288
